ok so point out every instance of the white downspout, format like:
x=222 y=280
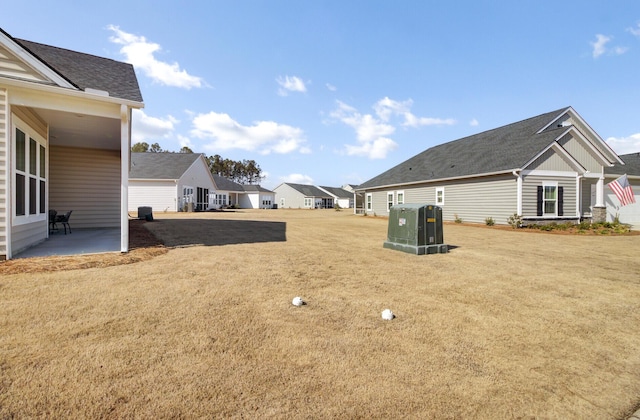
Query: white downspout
x=579 y=197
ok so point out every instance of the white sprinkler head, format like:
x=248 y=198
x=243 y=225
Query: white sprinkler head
x=387 y=315
x=297 y=301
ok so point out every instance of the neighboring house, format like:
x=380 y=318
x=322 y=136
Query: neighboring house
x=228 y=192
x=341 y=197
x=302 y=196
x=359 y=198
x=65 y=128
x=630 y=213
x=170 y=182
x=257 y=197
x=543 y=169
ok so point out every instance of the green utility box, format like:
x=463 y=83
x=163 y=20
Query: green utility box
x=416 y=229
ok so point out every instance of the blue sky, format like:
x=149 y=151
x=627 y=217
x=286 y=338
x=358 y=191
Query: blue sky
x=336 y=92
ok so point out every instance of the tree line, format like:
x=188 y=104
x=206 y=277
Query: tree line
x=240 y=171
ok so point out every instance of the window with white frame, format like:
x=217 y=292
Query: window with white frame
x=30 y=180
x=308 y=201
x=550 y=199
x=389 y=201
x=440 y=196
x=400 y=197
x=369 y=202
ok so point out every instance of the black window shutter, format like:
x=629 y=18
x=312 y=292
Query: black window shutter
x=539 y=200
x=560 y=201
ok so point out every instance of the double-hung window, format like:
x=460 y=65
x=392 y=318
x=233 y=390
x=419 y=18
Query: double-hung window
x=30 y=181
x=307 y=202
x=550 y=200
x=369 y=202
x=389 y=201
x=440 y=196
x=400 y=197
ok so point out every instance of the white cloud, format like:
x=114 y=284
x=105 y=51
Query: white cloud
x=371 y=134
x=140 y=52
x=290 y=84
x=625 y=145
x=263 y=136
x=386 y=108
x=600 y=46
x=146 y=128
x=474 y=123
x=297 y=179
x=185 y=142
x=331 y=87
x=635 y=31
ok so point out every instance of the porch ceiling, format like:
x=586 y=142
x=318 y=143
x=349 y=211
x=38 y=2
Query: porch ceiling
x=81 y=130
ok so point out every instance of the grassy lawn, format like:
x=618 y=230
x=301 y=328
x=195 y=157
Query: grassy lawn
x=510 y=323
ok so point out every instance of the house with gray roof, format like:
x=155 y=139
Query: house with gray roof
x=65 y=135
x=257 y=197
x=341 y=196
x=170 y=182
x=551 y=167
x=302 y=196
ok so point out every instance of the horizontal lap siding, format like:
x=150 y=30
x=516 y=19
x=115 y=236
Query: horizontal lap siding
x=27 y=235
x=471 y=200
x=86 y=181
x=161 y=196
x=530 y=194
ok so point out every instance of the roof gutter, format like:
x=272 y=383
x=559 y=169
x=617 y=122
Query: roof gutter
x=404 y=184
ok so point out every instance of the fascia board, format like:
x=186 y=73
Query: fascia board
x=73 y=92
x=431 y=181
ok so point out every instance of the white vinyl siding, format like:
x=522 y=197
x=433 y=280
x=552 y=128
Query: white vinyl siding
x=27 y=235
x=161 y=196
x=86 y=181
x=293 y=198
x=15 y=68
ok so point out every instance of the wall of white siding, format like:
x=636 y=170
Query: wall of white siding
x=27 y=235
x=161 y=196
x=197 y=175
x=293 y=198
x=4 y=175
x=86 y=181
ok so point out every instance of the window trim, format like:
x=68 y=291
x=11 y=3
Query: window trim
x=31 y=180
x=546 y=184
x=398 y=194
x=369 y=202
x=390 y=200
x=441 y=201
x=308 y=202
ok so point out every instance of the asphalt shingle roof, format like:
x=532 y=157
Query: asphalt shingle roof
x=631 y=165
x=88 y=71
x=255 y=188
x=308 y=190
x=161 y=165
x=226 y=184
x=501 y=149
x=338 y=192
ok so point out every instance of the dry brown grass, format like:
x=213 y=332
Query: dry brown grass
x=508 y=324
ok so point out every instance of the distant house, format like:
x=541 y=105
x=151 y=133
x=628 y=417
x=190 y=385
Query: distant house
x=257 y=197
x=551 y=167
x=630 y=213
x=65 y=128
x=227 y=193
x=170 y=182
x=341 y=197
x=289 y=195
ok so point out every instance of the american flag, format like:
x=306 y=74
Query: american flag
x=622 y=190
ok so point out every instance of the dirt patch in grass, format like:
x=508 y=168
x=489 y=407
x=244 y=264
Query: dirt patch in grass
x=506 y=325
x=143 y=245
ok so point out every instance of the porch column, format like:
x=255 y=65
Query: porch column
x=599 y=211
x=125 y=146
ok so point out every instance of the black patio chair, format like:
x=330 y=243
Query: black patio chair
x=52 y=220
x=64 y=219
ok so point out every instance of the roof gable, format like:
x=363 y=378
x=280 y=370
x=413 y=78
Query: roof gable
x=307 y=190
x=225 y=184
x=159 y=166
x=337 y=192
x=39 y=63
